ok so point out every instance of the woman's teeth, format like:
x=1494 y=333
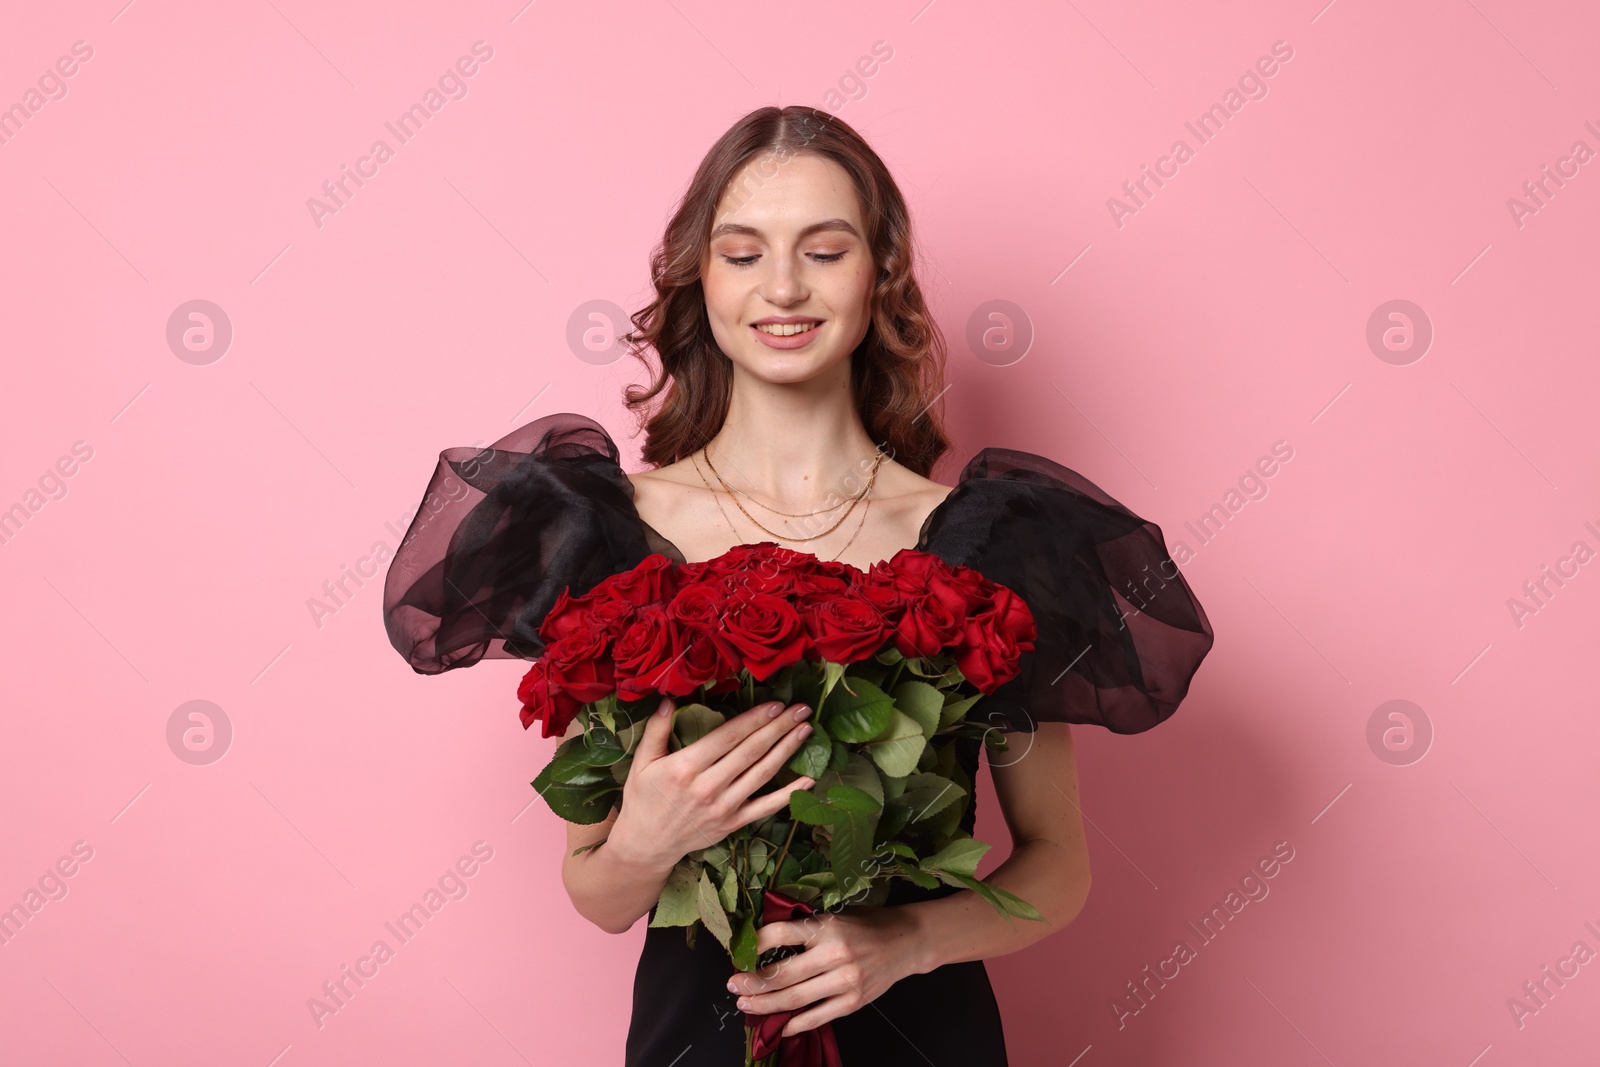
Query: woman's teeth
x=786 y=330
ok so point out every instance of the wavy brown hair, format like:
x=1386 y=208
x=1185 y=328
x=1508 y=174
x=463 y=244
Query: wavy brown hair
x=897 y=372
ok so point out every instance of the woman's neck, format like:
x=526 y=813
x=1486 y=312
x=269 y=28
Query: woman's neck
x=793 y=445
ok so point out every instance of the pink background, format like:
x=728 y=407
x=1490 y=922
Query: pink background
x=1169 y=354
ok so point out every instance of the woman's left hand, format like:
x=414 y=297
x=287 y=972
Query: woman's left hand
x=851 y=958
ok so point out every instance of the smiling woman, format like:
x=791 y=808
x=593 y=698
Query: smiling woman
x=795 y=372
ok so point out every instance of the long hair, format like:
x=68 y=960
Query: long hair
x=897 y=372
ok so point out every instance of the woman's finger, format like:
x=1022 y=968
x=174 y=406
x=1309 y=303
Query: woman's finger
x=771 y=803
x=761 y=772
x=773 y=720
x=726 y=737
x=803 y=994
x=653 y=742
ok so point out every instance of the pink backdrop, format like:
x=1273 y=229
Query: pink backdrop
x=185 y=494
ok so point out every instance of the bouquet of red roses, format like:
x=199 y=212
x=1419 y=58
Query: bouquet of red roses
x=892 y=661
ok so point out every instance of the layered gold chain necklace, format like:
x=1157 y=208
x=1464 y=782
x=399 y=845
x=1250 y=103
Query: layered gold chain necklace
x=866 y=493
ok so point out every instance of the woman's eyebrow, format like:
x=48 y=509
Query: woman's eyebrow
x=815 y=227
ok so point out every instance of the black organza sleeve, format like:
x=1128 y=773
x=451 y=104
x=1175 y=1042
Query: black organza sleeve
x=1120 y=632
x=500 y=532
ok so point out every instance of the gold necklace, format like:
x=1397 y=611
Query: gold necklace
x=794 y=514
x=735 y=529
x=783 y=537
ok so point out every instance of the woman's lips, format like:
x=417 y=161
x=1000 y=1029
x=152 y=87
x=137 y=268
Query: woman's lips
x=799 y=340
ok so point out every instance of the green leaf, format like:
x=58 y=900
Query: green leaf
x=927 y=794
x=788 y=874
x=804 y=806
x=922 y=702
x=852 y=851
x=897 y=747
x=1016 y=905
x=814 y=755
x=960 y=856
x=693 y=721
x=758 y=855
x=861 y=773
x=839 y=758
x=575 y=756
x=711 y=913
x=744 y=944
x=859 y=716
x=920 y=877
x=1003 y=902
x=851 y=799
x=956 y=710
x=715 y=856
x=677 y=905
x=729 y=895
x=581 y=793
x=896 y=814
x=831 y=673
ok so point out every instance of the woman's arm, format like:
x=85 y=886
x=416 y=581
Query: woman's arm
x=1037 y=784
x=609 y=887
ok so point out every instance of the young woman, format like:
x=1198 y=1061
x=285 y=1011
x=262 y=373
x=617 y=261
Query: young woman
x=798 y=366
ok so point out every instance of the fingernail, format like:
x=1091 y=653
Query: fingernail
x=801 y=712
x=744 y=1003
x=663 y=708
x=773 y=709
x=803 y=731
x=731 y=987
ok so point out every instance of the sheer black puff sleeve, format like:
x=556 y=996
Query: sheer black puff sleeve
x=1120 y=632
x=500 y=532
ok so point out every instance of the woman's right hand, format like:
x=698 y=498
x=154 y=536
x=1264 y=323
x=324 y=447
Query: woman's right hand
x=676 y=802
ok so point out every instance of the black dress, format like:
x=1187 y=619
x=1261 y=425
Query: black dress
x=502 y=530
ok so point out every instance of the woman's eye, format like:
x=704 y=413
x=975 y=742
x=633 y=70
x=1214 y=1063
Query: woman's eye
x=820 y=257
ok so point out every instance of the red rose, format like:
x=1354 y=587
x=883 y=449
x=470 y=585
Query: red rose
x=993 y=639
x=928 y=624
x=697 y=657
x=652 y=581
x=642 y=651
x=880 y=590
x=766 y=632
x=577 y=663
x=545 y=702
x=696 y=604
x=844 y=629
x=1013 y=616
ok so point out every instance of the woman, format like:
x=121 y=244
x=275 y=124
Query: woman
x=798 y=363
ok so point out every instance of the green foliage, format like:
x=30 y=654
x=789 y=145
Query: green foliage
x=888 y=802
x=897 y=747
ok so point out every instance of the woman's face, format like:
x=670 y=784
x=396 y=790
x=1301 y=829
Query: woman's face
x=788 y=256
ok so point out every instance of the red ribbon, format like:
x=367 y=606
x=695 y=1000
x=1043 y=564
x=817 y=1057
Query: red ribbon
x=809 y=1048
